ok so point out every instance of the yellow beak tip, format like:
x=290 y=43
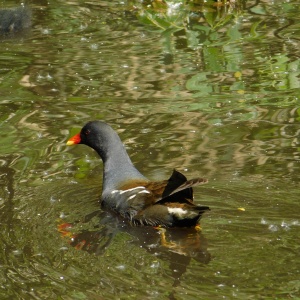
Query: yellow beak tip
x=70 y=143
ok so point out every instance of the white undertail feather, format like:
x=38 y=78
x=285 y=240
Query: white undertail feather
x=177 y=211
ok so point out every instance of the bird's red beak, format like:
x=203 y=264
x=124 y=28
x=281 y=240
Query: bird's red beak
x=74 y=140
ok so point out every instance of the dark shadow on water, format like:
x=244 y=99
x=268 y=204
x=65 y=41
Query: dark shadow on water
x=14 y=22
x=177 y=246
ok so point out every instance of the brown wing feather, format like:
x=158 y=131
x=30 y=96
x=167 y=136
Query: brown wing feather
x=188 y=184
x=177 y=185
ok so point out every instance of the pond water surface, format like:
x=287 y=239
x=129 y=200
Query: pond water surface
x=212 y=96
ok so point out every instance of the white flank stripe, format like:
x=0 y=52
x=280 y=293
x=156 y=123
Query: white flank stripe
x=138 y=187
x=129 y=190
x=144 y=191
x=131 y=197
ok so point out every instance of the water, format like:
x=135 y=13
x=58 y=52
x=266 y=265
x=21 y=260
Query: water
x=219 y=102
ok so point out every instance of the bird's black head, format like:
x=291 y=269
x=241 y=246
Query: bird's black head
x=97 y=135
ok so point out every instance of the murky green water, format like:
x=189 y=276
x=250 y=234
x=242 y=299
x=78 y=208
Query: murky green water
x=219 y=101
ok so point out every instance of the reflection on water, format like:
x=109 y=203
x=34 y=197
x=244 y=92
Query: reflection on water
x=214 y=96
x=175 y=246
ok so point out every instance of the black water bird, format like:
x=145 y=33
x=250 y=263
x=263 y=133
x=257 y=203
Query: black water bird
x=167 y=203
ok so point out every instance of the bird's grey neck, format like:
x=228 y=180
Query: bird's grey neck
x=118 y=168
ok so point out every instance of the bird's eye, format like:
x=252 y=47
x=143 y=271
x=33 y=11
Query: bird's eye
x=87 y=132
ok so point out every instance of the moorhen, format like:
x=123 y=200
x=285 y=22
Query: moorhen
x=167 y=203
